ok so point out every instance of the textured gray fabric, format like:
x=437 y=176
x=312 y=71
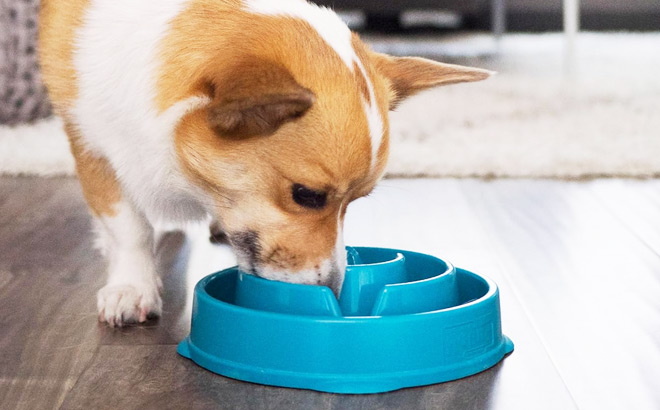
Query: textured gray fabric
x=23 y=96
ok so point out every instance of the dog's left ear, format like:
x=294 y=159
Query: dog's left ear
x=410 y=75
x=254 y=97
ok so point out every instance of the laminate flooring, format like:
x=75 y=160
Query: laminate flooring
x=577 y=263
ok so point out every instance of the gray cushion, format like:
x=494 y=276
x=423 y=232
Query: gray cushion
x=22 y=94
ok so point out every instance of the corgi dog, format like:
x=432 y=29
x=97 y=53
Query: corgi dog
x=269 y=115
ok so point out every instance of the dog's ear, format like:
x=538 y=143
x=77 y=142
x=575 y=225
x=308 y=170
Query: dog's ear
x=410 y=75
x=254 y=97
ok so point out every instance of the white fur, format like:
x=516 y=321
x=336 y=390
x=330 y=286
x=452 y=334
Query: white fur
x=307 y=276
x=374 y=119
x=133 y=288
x=117 y=64
x=338 y=36
x=339 y=254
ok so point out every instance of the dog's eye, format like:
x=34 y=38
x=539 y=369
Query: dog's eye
x=308 y=198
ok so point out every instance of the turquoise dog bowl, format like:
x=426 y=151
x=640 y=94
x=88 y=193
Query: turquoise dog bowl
x=403 y=319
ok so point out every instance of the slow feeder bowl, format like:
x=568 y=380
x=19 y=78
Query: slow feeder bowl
x=403 y=319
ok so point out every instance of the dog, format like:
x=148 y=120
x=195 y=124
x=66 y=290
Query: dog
x=271 y=116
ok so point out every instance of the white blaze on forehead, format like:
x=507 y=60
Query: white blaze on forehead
x=338 y=36
x=329 y=26
x=374 y=120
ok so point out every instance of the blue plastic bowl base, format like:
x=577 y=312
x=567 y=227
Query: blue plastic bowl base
x=403 y=319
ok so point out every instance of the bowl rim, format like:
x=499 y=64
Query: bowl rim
x=203 y=296
x=396 y=258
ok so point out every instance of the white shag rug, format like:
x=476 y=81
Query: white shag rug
x=35 y=149
x=530 y=120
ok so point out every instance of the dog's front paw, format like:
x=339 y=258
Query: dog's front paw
x=119 y=304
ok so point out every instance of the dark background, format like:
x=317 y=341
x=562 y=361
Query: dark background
x=523 y=15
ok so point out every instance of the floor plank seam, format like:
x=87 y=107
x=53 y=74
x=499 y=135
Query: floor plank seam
x=534 y=325
x=138 y=344
x=623 y=223
x=516 y=293
x=88 y=365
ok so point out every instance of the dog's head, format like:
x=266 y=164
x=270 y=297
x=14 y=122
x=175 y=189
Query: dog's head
x=296 y=130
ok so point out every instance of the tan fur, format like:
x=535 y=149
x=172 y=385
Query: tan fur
x=203 y=41
x=410 y=75
x=57 y=27
x=361 y=83
x=265 y=180
x=254 y=97
x=384 y=97
x=97 y=178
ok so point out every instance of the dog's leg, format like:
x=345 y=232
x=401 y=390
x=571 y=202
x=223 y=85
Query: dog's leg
x=132 y=293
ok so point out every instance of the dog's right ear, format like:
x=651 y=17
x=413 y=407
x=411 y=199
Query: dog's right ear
x=255 y=97
x=410 y=75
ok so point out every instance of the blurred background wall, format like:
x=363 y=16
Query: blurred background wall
x=522 y=15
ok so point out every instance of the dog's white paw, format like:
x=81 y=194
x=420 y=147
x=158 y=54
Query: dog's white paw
x=119 y=304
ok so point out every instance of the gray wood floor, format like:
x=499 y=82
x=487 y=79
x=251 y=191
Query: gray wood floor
x=578 y=265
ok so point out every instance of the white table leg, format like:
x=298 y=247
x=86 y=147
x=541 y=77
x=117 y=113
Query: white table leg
x=571 y=9
x=498 y=17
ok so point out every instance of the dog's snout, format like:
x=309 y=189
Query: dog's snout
x=328 y=273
